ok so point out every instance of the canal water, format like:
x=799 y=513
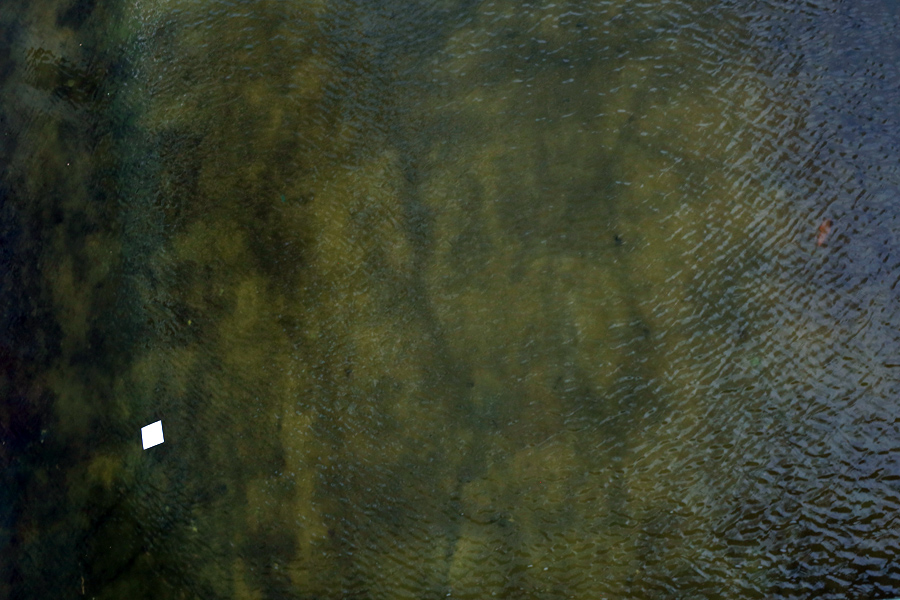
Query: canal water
x=449 y=299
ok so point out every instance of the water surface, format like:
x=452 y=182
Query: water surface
x=449 y=299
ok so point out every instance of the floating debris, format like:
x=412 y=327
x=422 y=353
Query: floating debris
x=824 y=230
x=152 y=435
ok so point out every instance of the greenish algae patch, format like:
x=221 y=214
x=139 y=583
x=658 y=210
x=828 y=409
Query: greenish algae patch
x=415 y=327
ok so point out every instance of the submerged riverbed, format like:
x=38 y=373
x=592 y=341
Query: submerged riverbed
x=449 y=299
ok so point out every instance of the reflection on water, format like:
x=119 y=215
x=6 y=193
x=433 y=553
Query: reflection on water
x=448 y=299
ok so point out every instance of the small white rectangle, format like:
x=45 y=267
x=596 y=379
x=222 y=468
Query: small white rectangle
x=152 y=435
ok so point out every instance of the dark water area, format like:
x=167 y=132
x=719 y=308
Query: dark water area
x=449 y=299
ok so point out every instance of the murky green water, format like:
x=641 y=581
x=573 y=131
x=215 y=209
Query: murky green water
x=449 y=299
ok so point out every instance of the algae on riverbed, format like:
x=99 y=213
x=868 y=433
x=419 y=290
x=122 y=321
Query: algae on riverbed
x=446 y=299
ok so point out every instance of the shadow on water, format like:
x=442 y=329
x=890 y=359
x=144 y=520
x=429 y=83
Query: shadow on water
x=447 y=299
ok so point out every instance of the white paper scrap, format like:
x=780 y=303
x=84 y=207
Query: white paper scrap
x=152 y=435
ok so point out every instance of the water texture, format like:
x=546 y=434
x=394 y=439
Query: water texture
x=449 y=299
